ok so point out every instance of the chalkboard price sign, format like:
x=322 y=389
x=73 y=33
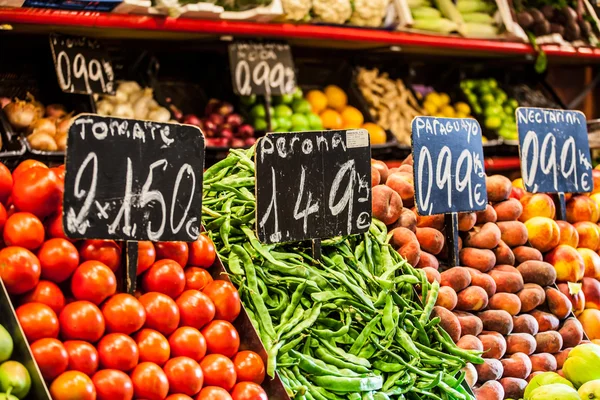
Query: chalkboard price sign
x=82 y=65
x=133 y=180
x=312 y=185
x=261 y=68
x=554 y=150
x=448 y=165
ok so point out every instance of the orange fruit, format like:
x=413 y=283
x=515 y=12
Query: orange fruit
x=331 y=119
x=376 y=133
x=352 y=118
x=317 y=100
x=336 y=97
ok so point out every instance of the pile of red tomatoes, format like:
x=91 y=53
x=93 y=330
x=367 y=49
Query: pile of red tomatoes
x=173 y=340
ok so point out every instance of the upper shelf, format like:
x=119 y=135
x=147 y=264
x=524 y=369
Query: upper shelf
x=143 y=26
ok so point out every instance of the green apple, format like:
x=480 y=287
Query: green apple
x=283 y=111
x=314 y=122
x=301 y=106
x=300 y=122
x=14 y=375
x=6 y=344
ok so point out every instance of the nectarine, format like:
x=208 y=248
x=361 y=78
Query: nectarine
x=567 y=262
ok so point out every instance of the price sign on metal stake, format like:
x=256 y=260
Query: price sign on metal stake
x=312 y=185
x=82 y=65
x=261 y=68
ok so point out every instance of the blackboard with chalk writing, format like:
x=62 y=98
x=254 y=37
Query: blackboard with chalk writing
x=312 y=185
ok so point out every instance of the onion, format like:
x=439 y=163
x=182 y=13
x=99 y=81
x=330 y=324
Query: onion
x=62 y=127
x=4 y=101
x=140 y=107
x=39 y=107
x=104 y=107
x=129 y=87
x=42 y=141
x=160 y=115
x=55 y=111
x=61 y=142
x=20 y=114
x=123 y=111
x=43 y=125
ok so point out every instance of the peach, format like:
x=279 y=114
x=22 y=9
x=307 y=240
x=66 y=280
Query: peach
x=525 y=323
x=558 y=303
x=508 y=302
x=472 y=298
x=590 y=319
x=375 y=177
x=486 y=236
x=431 y=240
x=572 y=333
x=469 y=323
x=591 y=292
x=387 y=204
x=506 y=280
x=520 y=343
x=561 y=356
x=548 y=342
x=494 y=345
x=432 y=274
x=428 y=260
x=518 y=365
x=596 y=198
x=537 y=205
x=403 y=184
x=526 y=253
x=514 y=388
x=381 y=168
x=543 y=232
x=446 y=298
x=574 y=293
x=480 y=259
x=517 y=193
x=582 y=208
x=483 y=280
x=567 y=262
x=508 y=210
x=504 y=255
x=407 y=219
x=589 y=234
x=497 y=320
x=470 y=342
x=409 y=160
x=490 y=370
x=430 y=221
x=543 y=362
x=514 y=233
x=568 y=234
x=457 y=278
x=546 y=321
x=466 y=221
x=498 y=188
x=596 y=180
x=406 y=244
x=487 y=215
x=591 y=260
x=539 y=272
x=518 y=183
x=449 y=322
x=531 y=296
x=490 y=390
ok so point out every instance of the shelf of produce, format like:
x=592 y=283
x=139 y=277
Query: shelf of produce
x=127 y=25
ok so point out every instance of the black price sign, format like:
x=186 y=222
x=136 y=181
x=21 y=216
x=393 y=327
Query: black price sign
x=448 y=165
x=261 y=68
x=82 y=65
x=312 y=185
x=554 y=150
x=133 y=180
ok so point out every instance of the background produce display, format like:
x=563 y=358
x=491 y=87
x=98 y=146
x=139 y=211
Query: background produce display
x=15 y=381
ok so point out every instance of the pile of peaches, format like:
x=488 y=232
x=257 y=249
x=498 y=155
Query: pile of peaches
x=503 y=297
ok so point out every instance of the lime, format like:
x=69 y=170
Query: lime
x=501 y=97
x=485 y=89
x=513 y=103
x=283 y=123
x=298 y=94
x=287 y=98
x=508 y=110
x=248 y=100
x=508 y=134
x=492 y=83
x=283 y=111
x=488 y=99
x=300 y=122
x=492 y=122
x=274 y=125
x=301 y=106
x=258 y=111
x=472 y=98
x=477 y=109
x=280 y=130
x=493 y=110
x=6 y=344
x=14 y=375
x=467 y=84
x=260 y=124
x=314 y=122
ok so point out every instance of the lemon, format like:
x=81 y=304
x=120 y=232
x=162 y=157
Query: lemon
x=376 y=133
x=435 y=99
x=336 y=97
x=352 y=118
x=317 y=100
x=331 y=119
x=462 y=108
x=484 y=139
x=430 y=107
x=461 y=115
x=444 y=98
x=448 y=111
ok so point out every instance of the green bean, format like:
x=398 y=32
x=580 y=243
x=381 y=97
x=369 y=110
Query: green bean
x=299 y=314
x=292 y=344
x=364 y=336
x=348 y=384
x=307 y=323
x=431 y=299
x=294 y=303
x=329 y=358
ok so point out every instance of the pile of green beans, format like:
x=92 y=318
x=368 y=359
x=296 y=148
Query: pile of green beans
x=351 y=326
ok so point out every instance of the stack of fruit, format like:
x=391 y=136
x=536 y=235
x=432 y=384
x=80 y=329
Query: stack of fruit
x=221 y=126
x=439 y=105
x=514 y=314
x=489 y=102
x=15 y=381
x=175 y=337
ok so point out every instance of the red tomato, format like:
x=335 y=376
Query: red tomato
x=73 y=385
x=162 y=312
x=83 y=356
x=81 y=320
x=26 y=165
x=59 y=258
x=202 y=252
x=54 y=225
x=179 y=397
x=118 y=351
x=3 y=215
x=249 y=367
x=6 y=183
x=221 y=338
x=51 y=356
x=146 y=256
x=113 y=385
x=123 y=314
x=107 y=252
x=184 y=375
x=226 y=299
x=60 y=172
x=47 y=293
x=24 y=229
x=188 y=342
x=94 y=282
x=164 y=276
x=149 y=382
x=37 y=190
x=248 y=391
x=213 y=393
x=38 y=321
x=196 y=309
x=219 y=371
x=19 y=269
x=196 y=278
x=176 y=251
x=153 y=346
